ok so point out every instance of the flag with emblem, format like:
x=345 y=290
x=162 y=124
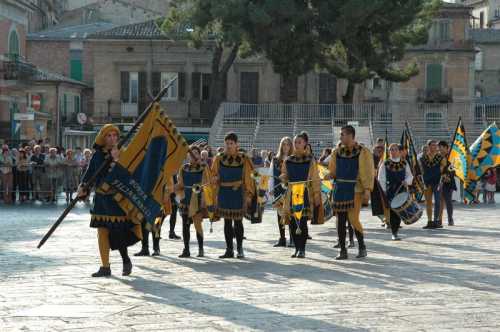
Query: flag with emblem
x=145 y=165
x=412 y=160
x=484 y=154
x=298 y=190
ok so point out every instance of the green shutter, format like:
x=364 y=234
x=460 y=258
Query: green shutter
x=65 y=105
x=434 y=76
x=77 y=104
x=76 y=69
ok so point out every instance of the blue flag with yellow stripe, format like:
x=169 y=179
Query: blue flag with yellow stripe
x=459 y=155
x=145 y=165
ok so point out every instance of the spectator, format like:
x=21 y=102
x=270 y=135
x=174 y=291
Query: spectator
x=29 y=153
x=490 y=186
x=205 y=158
x=15 y=182
x=257 y=159
x=6 y=164
x=52 y=163
x=22 y=175
x=37 y=162
x=71 y=171
x=324 y=158
x=78 y=155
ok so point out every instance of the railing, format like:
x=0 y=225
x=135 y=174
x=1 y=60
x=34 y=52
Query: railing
x=15 y=68
x=441 y=95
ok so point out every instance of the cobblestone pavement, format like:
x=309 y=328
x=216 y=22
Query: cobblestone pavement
x=433 y=280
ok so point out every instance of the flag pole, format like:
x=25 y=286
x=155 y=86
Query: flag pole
x=106 y=162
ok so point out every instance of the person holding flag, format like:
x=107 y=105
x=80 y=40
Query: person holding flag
x=352 y=168
x=303 y=198
x=192 y=177
x=448 y=185
x=433 y=165
x=232 y=175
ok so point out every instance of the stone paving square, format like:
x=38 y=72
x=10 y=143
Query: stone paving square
x=433 y=280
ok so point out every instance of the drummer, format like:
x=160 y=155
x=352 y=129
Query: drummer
x=394 y=175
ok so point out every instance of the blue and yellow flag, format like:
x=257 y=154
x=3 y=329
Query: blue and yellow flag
x=145 y=165
x=326 y=185
x=412 y=160
x=485 y=154
x=298 y=191
x=459 y=155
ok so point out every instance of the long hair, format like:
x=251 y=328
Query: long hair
x=284 y=140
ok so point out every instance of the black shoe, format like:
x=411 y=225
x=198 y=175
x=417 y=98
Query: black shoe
x=102 y=272
x=228 y=254
x=438 y=224
x=309 y=237
x=362 y=253
x=201 y=253
x=156 y=252
x=143 y=252
x=451 y=223
x=127 y=269
x=281 y=243
x=395 y=237
x=302 y=254
x=342 y=255
x=337 y=246
x=241 y=253
x=185 y=253
x=430 y=225
x=351 y=244
x=295 y=254
x=173 y=236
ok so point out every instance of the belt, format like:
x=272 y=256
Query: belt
x=346 y=181
x=234 y=184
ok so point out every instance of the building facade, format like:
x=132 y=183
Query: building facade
x=485 y=13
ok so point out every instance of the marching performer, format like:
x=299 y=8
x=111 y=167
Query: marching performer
x=393 y=175
x=433 y=165
x=285 y=149
x=448 y=185
x=352 y=168
x=300 y=172
x=191 y=179
x=114 y=230
x=235 y=187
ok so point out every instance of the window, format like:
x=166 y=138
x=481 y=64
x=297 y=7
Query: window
x=133 y=87
x=481 y=20
x=249 y=87
x=75 y=61
x=289 y=89
x=327 y=89
x=444 y=30
x=14 y=43
x=77 y=104
x=172 y=93
x=201 y=85
x=478 y=59
x=434 y=76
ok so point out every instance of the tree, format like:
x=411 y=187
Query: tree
x=216 y=25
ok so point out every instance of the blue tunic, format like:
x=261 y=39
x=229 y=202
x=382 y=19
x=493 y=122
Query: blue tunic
x=230 y=194
x=395 y=176
x=277 y=190
x=346 y=174
x=431 y=170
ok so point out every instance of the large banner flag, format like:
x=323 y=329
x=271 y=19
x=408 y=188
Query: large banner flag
x=459 y=155
x=140 y=176
x=412 y=160
x=485 y=154
x=298 y=191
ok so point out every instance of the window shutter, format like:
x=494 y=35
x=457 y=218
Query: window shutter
x=143 y=96
x=196 y=79
x=156 y=82
x=124 y=82
x=434 y=76
x=182 y=85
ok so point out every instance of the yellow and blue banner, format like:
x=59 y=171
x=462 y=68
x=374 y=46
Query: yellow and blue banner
x=326 y=185
x=298 y=191
x=412 y=160
x=484 y=154
x=145 y=165
x=459 y=155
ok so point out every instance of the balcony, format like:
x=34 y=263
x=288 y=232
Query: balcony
x=443 y=95
x=14 y=68
x=129 y=110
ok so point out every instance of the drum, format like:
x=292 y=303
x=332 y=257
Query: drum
x=406 y=208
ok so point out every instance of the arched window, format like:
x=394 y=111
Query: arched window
x=14 y=43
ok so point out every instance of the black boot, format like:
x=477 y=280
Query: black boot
x=342 y=255
x=143 y=252
x=351 y=244
x=241 y=253
x=201 y=252
x=302 y=254
x=127 y=269
x=102 y=272
x=228 y=254
x=173 y=236
x=295 y=254
x=337 y=246
x=429 y=225
x=281 y=243
x=438 y=224
x=185 y=253
x=362 y=253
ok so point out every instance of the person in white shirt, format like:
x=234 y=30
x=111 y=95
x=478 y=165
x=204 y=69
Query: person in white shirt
x=394 y=175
